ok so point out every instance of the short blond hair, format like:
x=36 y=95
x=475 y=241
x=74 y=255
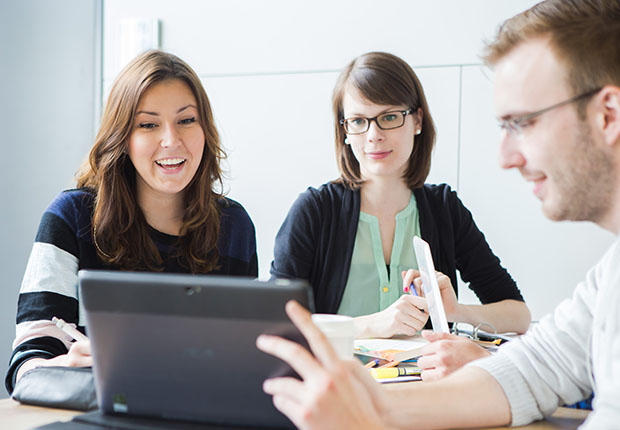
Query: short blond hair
x=584 y=34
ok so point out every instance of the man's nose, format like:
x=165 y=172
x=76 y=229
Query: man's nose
x=510 y=155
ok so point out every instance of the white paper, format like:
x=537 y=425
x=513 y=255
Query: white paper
x=401 y=344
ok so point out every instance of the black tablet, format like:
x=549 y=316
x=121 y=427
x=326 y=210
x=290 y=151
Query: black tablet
x=182 y=347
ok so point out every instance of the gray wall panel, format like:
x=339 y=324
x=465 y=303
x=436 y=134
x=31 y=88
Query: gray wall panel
x=48 y=99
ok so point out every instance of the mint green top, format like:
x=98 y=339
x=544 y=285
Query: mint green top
x=368 y=288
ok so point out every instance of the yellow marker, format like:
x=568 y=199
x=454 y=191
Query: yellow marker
x=495 y=342
x=385 y=289
x=394 y=372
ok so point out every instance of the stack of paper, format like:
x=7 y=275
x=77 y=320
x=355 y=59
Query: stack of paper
x=391 y=352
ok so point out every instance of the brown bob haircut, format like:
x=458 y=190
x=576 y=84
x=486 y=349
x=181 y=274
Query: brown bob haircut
x=384 y=79
x=120 y=231
x=584 y=34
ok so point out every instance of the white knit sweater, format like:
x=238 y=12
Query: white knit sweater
x=570 y=354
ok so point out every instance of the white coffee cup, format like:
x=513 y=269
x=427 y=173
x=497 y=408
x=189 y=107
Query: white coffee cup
x=339 y=330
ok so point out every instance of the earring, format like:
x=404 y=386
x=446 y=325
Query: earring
x=418 y=131
x=346 y=141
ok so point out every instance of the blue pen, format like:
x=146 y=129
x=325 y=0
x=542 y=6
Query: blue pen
x=415 y=293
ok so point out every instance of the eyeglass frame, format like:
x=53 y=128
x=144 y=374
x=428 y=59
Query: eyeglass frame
x=369 y=120
x=476 y=334
x=514 y=125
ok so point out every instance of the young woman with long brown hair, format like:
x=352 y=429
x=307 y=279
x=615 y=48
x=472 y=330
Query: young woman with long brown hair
x=148 y=198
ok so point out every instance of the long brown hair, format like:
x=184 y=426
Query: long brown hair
x=383 y=79
x=120 y=232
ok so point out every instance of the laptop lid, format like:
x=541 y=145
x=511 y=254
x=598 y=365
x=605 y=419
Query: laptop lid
x=181 y=346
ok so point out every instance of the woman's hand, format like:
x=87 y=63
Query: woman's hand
x=77 y=356
x=446 y=353
x=333 y=394
x=448 y=296
x=505 y=315
x=405 y=316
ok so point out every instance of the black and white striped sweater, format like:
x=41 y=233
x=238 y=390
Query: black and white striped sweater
x=64 y=245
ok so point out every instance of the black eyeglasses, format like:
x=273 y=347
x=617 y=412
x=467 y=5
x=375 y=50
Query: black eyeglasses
x=385 y=121
x=515 y=125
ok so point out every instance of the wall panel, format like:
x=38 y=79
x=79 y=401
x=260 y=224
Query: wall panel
x=271 y=36
x=49 y=53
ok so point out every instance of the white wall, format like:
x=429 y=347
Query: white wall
x=48 y=84
x=266 y=64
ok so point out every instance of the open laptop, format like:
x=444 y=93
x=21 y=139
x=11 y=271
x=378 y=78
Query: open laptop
x=182 y=347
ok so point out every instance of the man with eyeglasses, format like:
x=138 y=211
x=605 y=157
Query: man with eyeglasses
x=557 y=98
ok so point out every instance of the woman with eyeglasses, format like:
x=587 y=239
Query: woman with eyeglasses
x=147 y=199
x=352 y=237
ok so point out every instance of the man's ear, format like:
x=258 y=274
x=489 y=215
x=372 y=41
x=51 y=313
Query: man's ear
x=608 y=117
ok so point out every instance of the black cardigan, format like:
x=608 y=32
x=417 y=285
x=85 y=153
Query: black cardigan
x=316 y=241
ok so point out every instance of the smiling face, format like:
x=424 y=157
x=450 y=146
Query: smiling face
x=570 y=167
x=167 y=141
x=380 y=153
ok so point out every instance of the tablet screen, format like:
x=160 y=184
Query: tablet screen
x=430 y=285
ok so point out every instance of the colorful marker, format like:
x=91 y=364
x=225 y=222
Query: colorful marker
x=394 y=372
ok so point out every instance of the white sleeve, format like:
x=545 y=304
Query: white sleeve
x=606 y=353
x=50 y=269
x=550 y=365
